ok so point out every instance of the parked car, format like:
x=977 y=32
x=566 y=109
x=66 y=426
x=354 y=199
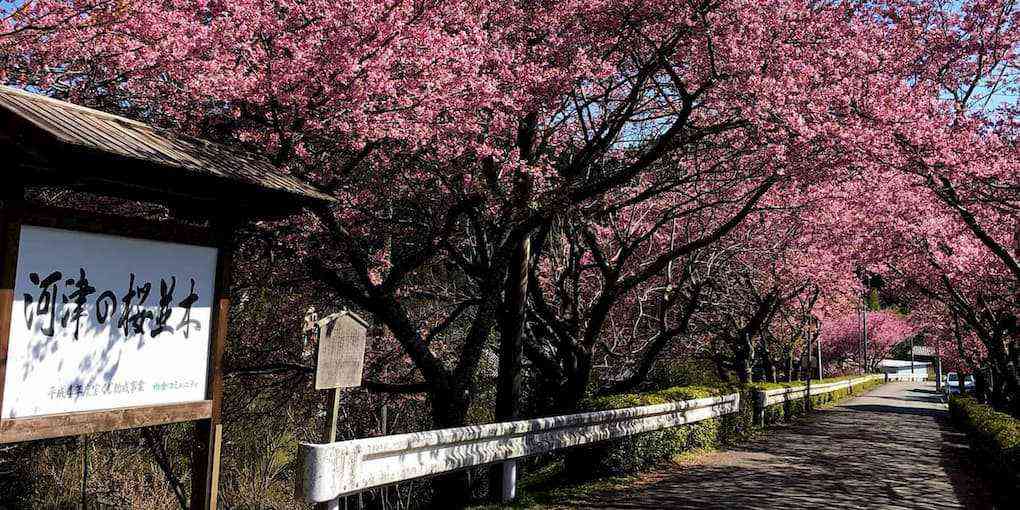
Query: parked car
x=953 y=383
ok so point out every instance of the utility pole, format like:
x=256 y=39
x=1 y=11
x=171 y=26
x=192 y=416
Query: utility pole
x=912 y=357
x=938 y=367
x=818 y=347
x=864 y=329
x=812 y=333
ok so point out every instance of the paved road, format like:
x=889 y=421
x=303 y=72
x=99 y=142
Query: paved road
x=890 y=448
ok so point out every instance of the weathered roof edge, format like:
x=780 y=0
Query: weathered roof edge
x=73 y=125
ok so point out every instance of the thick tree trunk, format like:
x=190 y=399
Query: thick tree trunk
x=981 y=386
x=1007 y=372
x=511 y=349
x=767 y=362
x=744 y=354
x=578 y=380
x=789 y=366
x=449 y=409
x=743 y=344
x=511 y=356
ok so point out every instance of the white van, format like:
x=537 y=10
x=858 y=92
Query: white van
x=953 y=383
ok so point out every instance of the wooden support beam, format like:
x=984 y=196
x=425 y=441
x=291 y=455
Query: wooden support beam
x=209 y=433
x=13 y=197
x=78 y=423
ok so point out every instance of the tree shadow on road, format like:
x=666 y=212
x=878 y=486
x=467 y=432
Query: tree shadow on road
x=849 y=457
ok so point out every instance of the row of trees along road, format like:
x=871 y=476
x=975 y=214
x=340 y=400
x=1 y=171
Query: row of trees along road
x=593 y=190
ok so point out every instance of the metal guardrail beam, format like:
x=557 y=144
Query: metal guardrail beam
x=780 y=395
x=332 y=470
x=329 y=471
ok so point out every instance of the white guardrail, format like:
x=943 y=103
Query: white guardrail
x=780 y=395
x=337 y=469
x=906 y=377
x=332 y=470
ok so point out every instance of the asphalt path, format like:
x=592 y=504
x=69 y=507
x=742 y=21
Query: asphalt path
x=889 y=448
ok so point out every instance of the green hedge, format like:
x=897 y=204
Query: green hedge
x=791 y=384
x=631 y=454
x=634 y=453
x=995 y=437
x=786 y=411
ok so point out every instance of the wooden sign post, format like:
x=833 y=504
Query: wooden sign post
x=340 y=360
x=340 y=363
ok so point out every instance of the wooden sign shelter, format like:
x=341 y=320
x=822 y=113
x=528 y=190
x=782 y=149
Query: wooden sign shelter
x=61 y=271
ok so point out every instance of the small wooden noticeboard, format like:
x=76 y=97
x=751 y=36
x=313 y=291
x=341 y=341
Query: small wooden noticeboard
x=341 y=354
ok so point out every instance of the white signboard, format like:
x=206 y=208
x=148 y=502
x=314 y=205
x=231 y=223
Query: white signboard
x=105 y=322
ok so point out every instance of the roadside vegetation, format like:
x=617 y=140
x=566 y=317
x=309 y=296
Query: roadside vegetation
x=995 y=437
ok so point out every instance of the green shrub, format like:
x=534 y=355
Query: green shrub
x=688 y=372
x=667 y=395
x=786 y=411
x=791 y=384
x=630 y=454
x=995 y=437
x=627 y=455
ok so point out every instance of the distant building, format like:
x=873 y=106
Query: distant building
x=900 y=370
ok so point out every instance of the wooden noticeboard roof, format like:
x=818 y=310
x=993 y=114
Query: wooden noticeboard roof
x=54 y=142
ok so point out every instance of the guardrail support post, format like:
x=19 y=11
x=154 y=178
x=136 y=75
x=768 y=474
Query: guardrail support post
x=508 y=489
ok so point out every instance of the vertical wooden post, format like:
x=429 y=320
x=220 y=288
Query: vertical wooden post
x=209 y=433
x=333 y=420
x=10 y=237
x=85 y=472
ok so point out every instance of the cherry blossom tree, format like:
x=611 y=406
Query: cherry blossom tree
x=841 y=339
x=453 y=131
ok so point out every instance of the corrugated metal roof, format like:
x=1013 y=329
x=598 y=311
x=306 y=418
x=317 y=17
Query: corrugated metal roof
x=100 y=131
